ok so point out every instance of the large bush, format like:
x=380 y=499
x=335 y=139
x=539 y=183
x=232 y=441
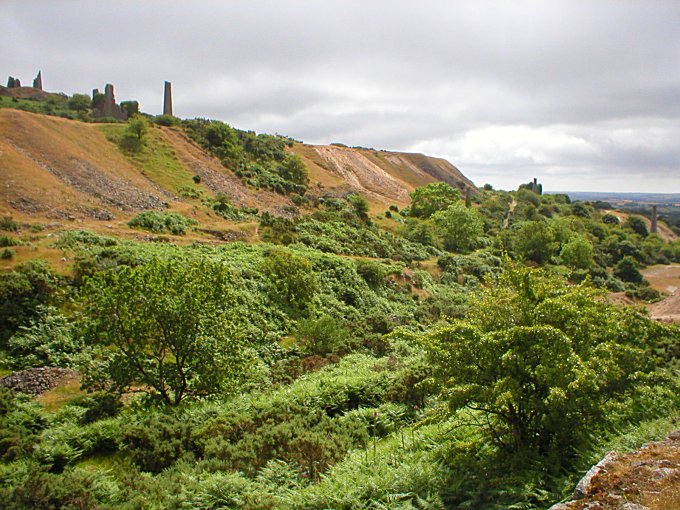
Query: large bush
x=541 y=361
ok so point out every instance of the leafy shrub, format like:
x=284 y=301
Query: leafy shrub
x=7 y=253
x=637 y=225
x=166 y=120
x=222 y=206
x=189 y=192
x=97 y=405
x=22 y=291
x=162 y=222
x=627 y=270
x=322 y=336
x=577 y=253
x=6 y=241
x=610 y=219
x=20 y=425
x=373 y=273
x=648 y=294
x=156 y=440
x=49 y=340
x=292 y=277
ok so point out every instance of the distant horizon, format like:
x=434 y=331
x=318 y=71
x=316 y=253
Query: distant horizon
x=616 y=192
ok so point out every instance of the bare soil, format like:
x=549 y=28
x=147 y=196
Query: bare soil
x=665 y=279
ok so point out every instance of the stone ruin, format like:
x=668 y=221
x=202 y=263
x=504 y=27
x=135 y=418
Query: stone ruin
x=536 y=187
x=37 y=81
x=104 y=105
x=15 y=83
x=655 y=218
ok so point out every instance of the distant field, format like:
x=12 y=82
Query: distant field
x=624 y=198
x=668 y=204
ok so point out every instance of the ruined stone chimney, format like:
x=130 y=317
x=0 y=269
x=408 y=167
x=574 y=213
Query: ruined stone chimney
x=167 y=99
x=109 y=101
x=534 y=185
x=13 y=82
x=37 y=82
x=653 y=230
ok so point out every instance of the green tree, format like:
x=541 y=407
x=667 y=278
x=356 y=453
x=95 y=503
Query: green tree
x=539 y=361
x=580 y=209
x=637 y=225
x=171 y=327
x=79 y=102
x=293 y=169
x=292 y=277
x=133 y=136
x=577 y=253
x=627 y=270
x=360 y=205
x=534 y=241
x=137 y=127
x=460 y=227
x=130 y=107
x=427 y=200
x=421 y=231
x=610 y=219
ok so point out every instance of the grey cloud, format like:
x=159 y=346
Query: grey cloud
x=436 y=75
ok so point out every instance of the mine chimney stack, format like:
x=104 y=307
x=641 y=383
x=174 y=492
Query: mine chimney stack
x=167 y=99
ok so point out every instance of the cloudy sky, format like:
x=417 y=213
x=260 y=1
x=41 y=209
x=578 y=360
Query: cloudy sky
x=584 y=94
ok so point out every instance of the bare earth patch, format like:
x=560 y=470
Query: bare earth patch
x=665 y=279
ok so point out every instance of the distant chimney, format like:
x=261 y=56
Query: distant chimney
x=653 y=230
x=167 y=99
x=534 y=185
x=37 y=82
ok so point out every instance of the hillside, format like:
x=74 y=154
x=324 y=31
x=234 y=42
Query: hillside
x=63 y=169
x=197 y=316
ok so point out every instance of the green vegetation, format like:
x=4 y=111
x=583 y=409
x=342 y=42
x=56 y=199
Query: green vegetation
x=149 y=151
x=173 y=327
x=162 y=222
x=448 y=355
x=259 y=160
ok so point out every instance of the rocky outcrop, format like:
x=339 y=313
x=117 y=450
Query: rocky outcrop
x=646 y=479
x=36 y=381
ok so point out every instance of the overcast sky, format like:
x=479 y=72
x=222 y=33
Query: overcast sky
x=584 y=95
